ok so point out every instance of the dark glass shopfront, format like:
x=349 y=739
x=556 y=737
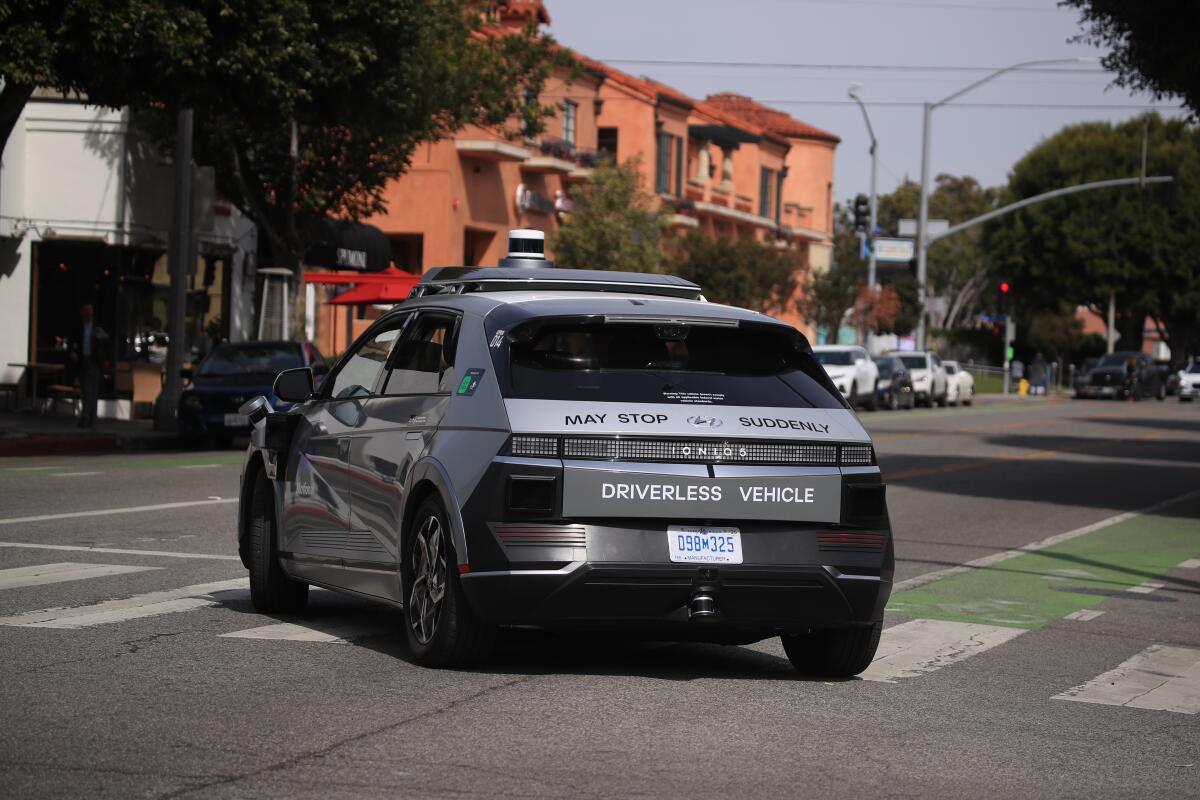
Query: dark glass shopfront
x=127 y=287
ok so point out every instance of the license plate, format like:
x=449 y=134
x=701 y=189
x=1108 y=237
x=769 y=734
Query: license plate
x=236 y=421
x=690 y=544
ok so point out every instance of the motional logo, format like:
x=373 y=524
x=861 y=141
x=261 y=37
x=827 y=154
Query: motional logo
x=704 y=422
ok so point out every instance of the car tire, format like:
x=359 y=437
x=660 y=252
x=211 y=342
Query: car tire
x=271 y=590
x=893 y=401
x=942 y=402
x=853 y=398
x=1162 y=393
x=836 y=653
x=873 y=403
x=442 y=628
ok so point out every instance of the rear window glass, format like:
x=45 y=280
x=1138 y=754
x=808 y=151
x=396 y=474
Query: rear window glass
x=250 y=359
x=649 y=363
x=885 y=367
x=914 y=362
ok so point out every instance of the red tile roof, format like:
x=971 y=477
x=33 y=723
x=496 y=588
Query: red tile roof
x=768 y=118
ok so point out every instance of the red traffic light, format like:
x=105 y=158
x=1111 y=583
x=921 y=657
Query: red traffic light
x=1004 y=287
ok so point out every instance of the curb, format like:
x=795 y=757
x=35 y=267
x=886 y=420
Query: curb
x=83 y=444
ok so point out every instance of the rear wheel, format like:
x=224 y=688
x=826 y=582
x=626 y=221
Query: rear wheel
x=836 y=653
x=271 y=590
x=442 y=628
x=853 y=398
x=873 y=403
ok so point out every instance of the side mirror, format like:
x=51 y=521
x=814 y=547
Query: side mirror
x=294 y=385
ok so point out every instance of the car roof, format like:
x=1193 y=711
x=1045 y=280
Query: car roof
x=832 y=347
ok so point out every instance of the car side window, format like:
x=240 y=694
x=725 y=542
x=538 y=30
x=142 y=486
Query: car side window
x=937 y=362
x=360 y=371
x=422 y=360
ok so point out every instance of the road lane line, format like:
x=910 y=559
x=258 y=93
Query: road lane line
x=72 y=474
x=1005 y=555
x=920 y=646
x=39 y=575
x=1084 y=614
x=1145 y=588
x=103 y=512
x=187 y=598
x=327 y=632
x=1159 y=678
x=1191 y=563
x=27 y=469
x=200 y=466
x=120 y=551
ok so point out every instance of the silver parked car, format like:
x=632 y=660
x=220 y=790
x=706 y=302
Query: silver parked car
x=574 y=450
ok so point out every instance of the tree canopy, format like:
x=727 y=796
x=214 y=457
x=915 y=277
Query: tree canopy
x=612 y=226
x=1140 y=244
x=1151 y=44
x=740 y=272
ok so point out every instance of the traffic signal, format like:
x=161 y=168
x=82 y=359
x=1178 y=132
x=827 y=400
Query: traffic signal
x=1005 y=289
x=862 y=212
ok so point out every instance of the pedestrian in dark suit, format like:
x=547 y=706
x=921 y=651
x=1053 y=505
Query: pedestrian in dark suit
x=88 y=356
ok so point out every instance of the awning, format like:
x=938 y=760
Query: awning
x=378 y=292
x=338 y=244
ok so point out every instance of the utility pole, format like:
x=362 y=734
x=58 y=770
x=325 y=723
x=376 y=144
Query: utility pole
x=180 y=248
x=1110 y=334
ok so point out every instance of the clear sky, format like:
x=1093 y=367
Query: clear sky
x=896 y=35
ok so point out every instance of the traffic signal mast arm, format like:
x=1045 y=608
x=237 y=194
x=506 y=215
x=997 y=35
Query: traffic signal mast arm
x=1038 y=198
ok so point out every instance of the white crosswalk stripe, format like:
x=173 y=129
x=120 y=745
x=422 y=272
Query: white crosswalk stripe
x=924 y=645
x=335 y=632
x=151 y=604
x=1159 y=678
x=42 y=574
x=1084 y=615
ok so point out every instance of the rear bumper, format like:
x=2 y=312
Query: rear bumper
x=749 y=600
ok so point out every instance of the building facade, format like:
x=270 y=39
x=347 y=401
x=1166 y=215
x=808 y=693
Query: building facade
x=85 y=209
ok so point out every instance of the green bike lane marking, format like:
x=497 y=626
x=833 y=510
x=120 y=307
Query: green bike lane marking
x=102 y=463
x=1033 y=589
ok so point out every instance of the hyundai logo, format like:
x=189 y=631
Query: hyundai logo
x=704 y=422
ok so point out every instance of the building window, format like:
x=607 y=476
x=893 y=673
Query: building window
x=569 y=113
x=530 y=98
x=606 y=141
x=764 y=193
x=662 y=165
x=679 y=166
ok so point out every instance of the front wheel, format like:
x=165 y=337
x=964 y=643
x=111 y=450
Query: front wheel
x=836 y=653
x=271 y=590
x=442 y=628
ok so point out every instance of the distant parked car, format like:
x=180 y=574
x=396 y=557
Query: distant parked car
x=1125 y=375
x=1189 y=381
x=1170 y=377
x=854 y=374
x=230 y=375
x=960 y=384
x=895 y=384
x=928 y=376
x=1083 y=376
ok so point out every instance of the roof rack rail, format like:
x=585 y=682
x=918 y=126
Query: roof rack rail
x=461 y=280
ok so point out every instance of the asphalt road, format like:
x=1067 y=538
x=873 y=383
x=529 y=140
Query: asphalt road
x=1070 y=671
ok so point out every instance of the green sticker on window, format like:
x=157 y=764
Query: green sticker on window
x=470 y=381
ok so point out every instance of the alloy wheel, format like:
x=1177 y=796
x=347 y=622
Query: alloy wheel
x=429 y=579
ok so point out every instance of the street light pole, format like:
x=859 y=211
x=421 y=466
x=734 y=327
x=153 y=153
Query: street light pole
x=853 y=92
x=923 y=217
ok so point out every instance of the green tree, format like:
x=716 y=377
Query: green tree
x=957 y=268
x=1151 y=44
x=1138 y=245
x=612 y=226
x=114 y=52
x=740 y=272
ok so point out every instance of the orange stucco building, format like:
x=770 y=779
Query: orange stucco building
x=724 y=165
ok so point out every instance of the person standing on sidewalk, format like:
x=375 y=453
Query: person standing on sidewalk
x=1037 y=374
x=88 y=356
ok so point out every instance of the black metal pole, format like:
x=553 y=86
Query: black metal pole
x=180 y=248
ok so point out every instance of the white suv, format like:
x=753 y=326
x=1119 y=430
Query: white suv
x=928 y=376
x=854 y=374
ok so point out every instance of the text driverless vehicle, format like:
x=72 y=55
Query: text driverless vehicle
x=574 y=450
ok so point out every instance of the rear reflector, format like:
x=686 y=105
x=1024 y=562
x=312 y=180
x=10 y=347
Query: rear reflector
x=524 y=534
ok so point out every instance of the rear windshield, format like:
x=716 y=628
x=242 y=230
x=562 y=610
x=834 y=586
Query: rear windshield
x=250 y=359
x=885 y=367
x=834 y=358
x=648 y=363
x=914 y=362
x=1115 y=360
x=951 y=369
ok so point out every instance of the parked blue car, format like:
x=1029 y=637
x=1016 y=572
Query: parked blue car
x=230 y=375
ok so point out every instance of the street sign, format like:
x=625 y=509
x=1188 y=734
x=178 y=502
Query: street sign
x=895 y=251
x=908 y=227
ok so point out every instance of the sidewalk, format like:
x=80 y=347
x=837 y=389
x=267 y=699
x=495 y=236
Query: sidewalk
x=23 y=433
